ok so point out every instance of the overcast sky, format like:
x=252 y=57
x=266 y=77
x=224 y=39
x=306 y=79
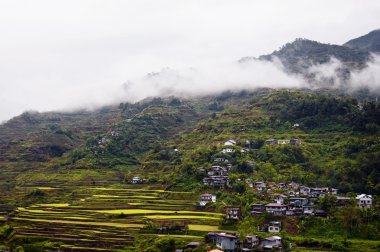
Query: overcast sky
x=65 y=54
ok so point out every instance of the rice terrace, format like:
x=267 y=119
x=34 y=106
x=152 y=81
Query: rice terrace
x=109 y=218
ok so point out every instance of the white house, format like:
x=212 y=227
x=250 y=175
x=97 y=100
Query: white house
x=233 y=213
x=364 y=201
x=220 y=159
x=283 y=141
x=274 y=227
x=136 y=180
x=230 y=142
x=334 y=191
x=271 y=242
x=308 y=209
x=207 y=198
x=228 y=150
x=227 y=242
x=279 y=198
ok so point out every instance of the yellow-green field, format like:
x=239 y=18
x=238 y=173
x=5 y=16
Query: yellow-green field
x=91 y=223
x=111 y=216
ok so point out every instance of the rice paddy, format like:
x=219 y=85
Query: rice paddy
x=205 y=228
x=109 y=218
x=193 y=217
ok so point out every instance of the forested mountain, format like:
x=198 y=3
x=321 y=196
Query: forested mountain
x=307 y=58
x=369 y=42
x=303 y=53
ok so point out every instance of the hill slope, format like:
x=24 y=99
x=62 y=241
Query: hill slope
x=369 y=42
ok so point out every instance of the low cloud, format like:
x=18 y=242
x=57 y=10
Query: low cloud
x=250 y=75
x=368 y=78
x=213 y=79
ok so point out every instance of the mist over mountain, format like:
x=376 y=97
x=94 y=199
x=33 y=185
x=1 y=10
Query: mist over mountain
x=302 y=63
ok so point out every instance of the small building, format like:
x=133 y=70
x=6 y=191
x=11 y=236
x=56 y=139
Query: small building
x=207 y=198
x=290 y=212
x=211 y=237
x=334 y=191
x=244 y=150
x=282 y=185
x=216 y=181
x=249 y=243
x=293 y=185
x=233 y=213
x=276 y=209
x=319 y=192
x=258 y=209
x=295 y=141
x=221 y=160
x=136 y=180
x=271 y=141
x=291 y=193
x=193 y=245
x=320 y=213
x=298 y=202
x=230 y=143
x=249 y=183
x=228 y=150
x=308 y=209
x=260 y=185
x=217 y=170
x=201 y=170
x=279 y=198
x=271 y=242
x=274 y=227
x=283 y=141
x=304 y=190
x=343 y=201
x=227 y=242
x=364 y=201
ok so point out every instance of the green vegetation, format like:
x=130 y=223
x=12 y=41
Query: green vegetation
x=81 y=196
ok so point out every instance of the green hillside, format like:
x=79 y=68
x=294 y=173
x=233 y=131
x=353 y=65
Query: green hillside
x=74 y=170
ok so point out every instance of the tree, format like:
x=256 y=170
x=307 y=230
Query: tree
x=249 y=225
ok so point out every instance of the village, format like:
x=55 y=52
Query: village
x=278 y=200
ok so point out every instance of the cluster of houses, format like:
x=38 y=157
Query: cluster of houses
x=294 y=201
x=298 y=200
x=232 y=242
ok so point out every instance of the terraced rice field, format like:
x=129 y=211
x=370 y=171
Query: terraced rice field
x=110 y=217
